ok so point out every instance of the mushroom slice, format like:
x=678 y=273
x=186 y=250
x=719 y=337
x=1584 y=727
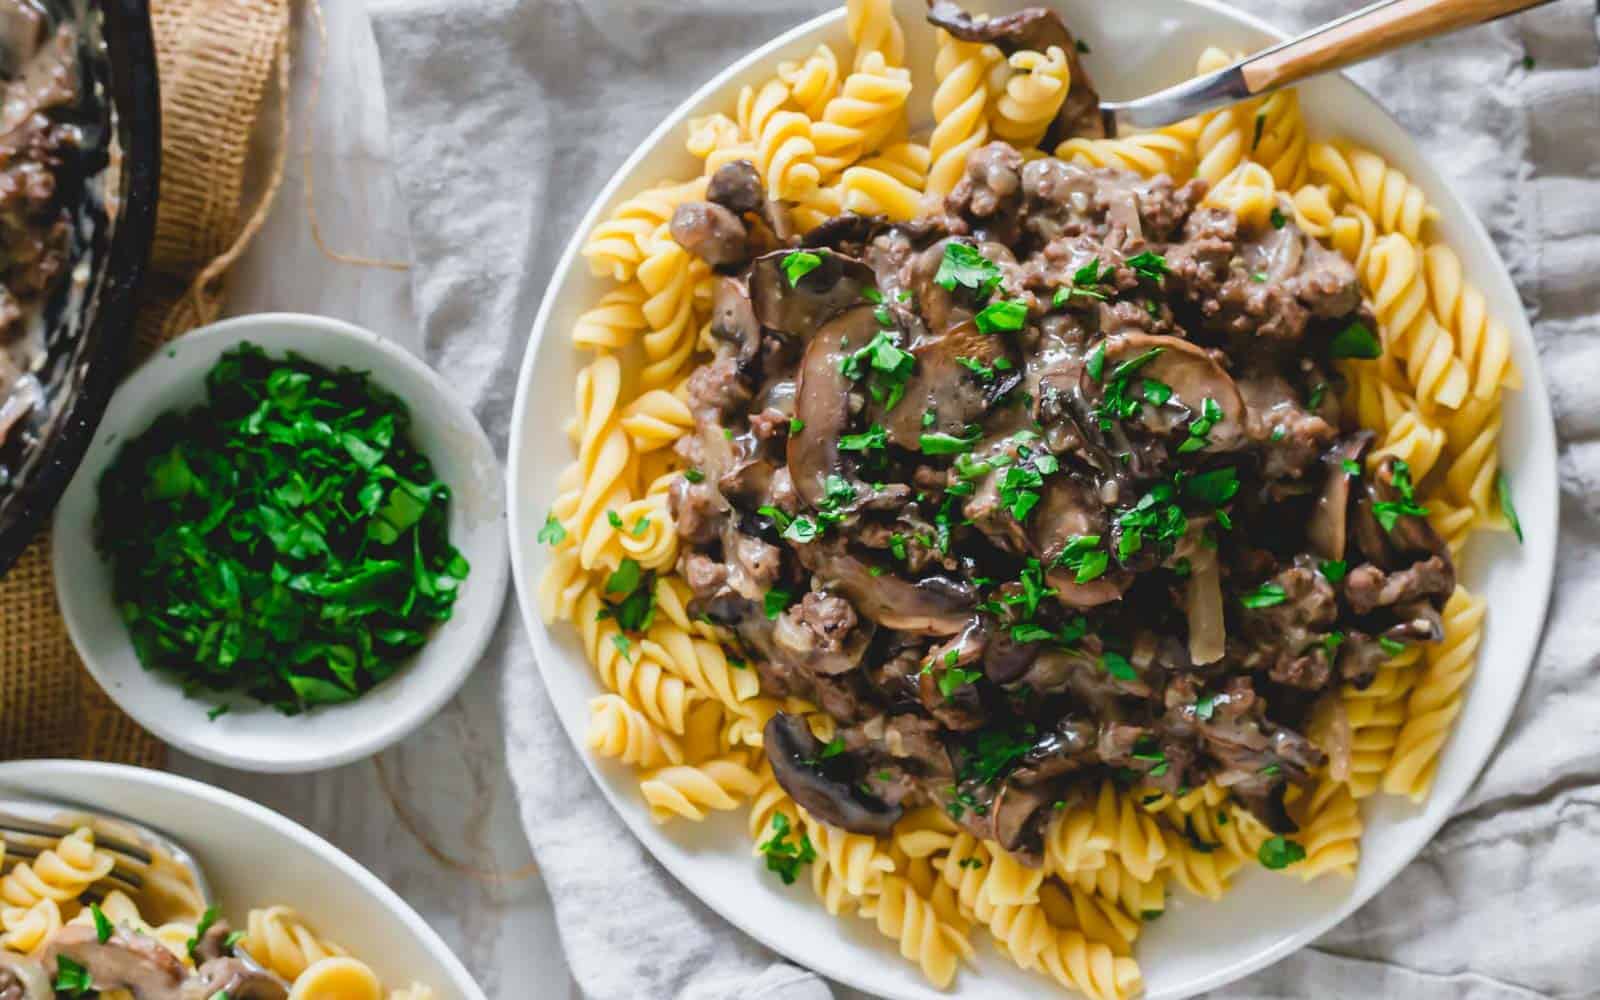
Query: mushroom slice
x=1019 y=817
x=800 y=308
x=125 y=961
x=1328 y=526
x=1203 y=607
x=822 y=403
x=933 y=605
x=1192 y=375
x=958 y=377
x=21 y=978
x=794 y=753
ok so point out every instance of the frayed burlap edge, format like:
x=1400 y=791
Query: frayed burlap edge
x=218 y=61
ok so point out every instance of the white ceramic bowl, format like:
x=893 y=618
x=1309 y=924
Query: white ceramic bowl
x=253 y=736
x=1138 y=46
x=252 y=857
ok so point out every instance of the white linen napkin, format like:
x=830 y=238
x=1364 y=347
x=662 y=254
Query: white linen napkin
x=511 y=114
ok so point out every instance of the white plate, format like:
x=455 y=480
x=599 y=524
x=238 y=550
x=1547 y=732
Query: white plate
x=251 y=735
x=1198 y=945
x=251 y=856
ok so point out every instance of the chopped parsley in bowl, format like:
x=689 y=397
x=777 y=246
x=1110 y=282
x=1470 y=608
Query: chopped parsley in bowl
x=284 y=539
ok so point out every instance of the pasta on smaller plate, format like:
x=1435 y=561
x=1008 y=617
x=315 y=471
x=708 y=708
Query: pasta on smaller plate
x=65 y=934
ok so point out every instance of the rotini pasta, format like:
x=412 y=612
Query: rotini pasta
x=684 y=701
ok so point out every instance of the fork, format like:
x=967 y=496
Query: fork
x=148 y=865
x=1356 y=37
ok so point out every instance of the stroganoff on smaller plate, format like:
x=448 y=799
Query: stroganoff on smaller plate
x=1198 y=944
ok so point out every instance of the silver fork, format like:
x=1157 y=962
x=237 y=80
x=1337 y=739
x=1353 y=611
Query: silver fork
x=148 y=865
x=1356 y=37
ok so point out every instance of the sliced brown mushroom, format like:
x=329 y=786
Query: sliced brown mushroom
x=237 y=979
x=125 y=961
x=21 y=978
x=1203 y=607
x=1411 y=537
x=956 y=380
x=1191 y=373
x=794 y=752
x=1327 y=528
x=1019 y=816
x=800 y=308
x=932 y=605
x=822 y=403
x=845 y=232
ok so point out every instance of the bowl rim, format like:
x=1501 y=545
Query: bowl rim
x=1539 y=552
x=130 y=45
x=489 y=576
x=64 y=774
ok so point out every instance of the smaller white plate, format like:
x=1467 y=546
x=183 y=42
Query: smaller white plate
x=253 y=736
x=253 y=857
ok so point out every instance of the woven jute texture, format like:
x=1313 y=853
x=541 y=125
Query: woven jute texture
x=219 y=61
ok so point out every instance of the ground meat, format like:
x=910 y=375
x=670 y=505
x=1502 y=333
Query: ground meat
x=717 y=388
x=1368 y=588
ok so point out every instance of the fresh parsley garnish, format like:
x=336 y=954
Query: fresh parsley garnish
x=694 y=475
x=1001 y=317
x=1149 y=265
x=102 y=925
x=284 y=538
x=775 y=602
x=798 y=264
x=1265 y=596
x=1333 y=570
x=1355 y=341
x=785 y=858
x=1276 y=218
x=945 y=444
x=1216 y=487
x=1096 y=365
x=552 y=533
x=1389 y=512
x=1084 y=557
x=1205 y=707
x=955 y=678
x=207 y=918
x=1391 y=646
x=962 y=265
x=1502 y=489
x=875 y=438
x=1118 y=666
x=1200 y=427
x=888 y=365
x=72 y=979
x=1280 y=852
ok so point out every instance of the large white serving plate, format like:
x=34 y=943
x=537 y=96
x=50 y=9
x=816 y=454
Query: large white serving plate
x=253 y=857
x=1137 y=45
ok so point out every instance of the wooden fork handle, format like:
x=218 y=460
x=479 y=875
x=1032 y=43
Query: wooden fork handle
x=1367 y=33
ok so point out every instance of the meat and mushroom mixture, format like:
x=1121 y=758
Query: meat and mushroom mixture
x=1050 y=485
x=43 y=165
x=90 y=959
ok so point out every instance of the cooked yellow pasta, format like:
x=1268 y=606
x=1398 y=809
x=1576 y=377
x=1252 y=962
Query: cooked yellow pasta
x=830 y=136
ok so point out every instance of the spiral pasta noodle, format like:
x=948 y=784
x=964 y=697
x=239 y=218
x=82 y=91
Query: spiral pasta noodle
x=960 y=105
x=278 y=938
x=829 y=136
x=1032 y=96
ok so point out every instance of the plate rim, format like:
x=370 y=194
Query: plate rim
x=62 y=772
x=1539 y=550
x=470 y=647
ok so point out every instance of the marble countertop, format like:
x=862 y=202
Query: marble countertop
x=448 y=779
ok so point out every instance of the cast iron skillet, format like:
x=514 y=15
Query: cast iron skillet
x=87 y=343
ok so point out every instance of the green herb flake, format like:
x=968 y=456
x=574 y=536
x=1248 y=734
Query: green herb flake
x=834 y=748
x=1391 y=646
x=72 y=979
x=1279 y=852
x=1205 y=707
x=207 y=918
x=1001 y=317
x=694 y=475
x=1118 y=666
x=775 y=602
x=1151 y=266
x=1333 y=570
x=552 y=533
x=283 y=539
x=1355 y=341
x=944 y=444
x=796 y=425
x=102 y=925
x=785 y=858
x=955 y=678
x=1508 y=508
x=1096 y=365
x=1276 y=218
x=872 y=295
x=873 y=439
x=798 y=264
x=218 y=711
x=1265 y=596
x=963 y=266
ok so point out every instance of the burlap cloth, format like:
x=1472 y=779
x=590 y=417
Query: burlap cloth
x=221 y=63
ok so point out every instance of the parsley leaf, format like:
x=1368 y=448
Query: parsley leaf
x=784 y=858
x=873 y=439
x=552 y=533
x=1355 y=341
x=1118 y=666
x=1333 y=570
x=798 y=264
x=72 y=979
x=1276 y=218
x=1001 y=317
x=207 y=918
x=955 y=678
x=1265 y=596
x=1502 y=489
x=775 y=602
x=1205 y=707
x=1149 y=265
x=963 y=265
x=102 y=926
x=1279 y=852
x=944 y=444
